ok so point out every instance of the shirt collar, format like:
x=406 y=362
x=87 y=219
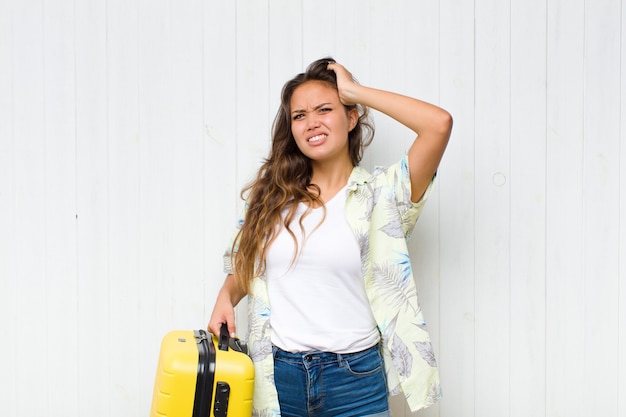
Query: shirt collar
x=359 y=176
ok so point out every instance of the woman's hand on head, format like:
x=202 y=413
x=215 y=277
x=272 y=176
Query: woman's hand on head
x=346 y=85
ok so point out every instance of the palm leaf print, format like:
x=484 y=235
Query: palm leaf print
x=434 y=393
x=263 y=413
x=371 y=196
x=401 y=357
x=262 y=347
x=393 y=228
x=426 y=352
x=388 y=330
x=393 y=285
x=363 y=240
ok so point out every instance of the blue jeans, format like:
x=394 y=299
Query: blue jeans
x=322 y=384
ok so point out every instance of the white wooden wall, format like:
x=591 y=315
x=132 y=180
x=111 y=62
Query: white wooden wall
x=127 y=128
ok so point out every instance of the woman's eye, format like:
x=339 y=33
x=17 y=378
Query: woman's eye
x=298 y=116
x=325 y=109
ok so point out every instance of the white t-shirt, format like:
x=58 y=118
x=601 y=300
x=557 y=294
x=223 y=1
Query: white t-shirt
x=319 y=301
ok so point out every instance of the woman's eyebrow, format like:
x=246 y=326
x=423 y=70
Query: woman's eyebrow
x=319 y=106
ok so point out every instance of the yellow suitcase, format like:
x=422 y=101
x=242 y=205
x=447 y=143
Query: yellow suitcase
x=201 y=376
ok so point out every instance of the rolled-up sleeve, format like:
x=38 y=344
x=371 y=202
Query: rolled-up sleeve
x=232 y=247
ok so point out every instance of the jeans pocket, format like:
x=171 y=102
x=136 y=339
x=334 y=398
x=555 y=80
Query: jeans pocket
x=366 y=364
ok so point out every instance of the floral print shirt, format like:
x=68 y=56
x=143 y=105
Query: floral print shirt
x=382 y=216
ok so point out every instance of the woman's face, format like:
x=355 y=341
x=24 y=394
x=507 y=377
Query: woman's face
x=320 y=123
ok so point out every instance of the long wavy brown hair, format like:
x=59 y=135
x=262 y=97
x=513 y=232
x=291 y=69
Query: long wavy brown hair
x=284 y=180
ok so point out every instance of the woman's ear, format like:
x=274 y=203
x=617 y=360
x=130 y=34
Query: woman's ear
x=353 y=116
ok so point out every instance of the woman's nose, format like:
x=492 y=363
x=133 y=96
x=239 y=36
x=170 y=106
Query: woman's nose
x=313 y=123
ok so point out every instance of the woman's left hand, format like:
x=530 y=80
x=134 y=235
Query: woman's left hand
x=432 y=124
x=346 y=85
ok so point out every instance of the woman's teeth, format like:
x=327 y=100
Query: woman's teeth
x=317 y=138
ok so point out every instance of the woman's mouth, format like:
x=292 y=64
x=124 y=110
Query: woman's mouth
x=316 y=139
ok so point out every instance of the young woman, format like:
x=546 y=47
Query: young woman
x=321 y=251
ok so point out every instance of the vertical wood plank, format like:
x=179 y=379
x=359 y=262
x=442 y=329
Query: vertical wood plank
x=155 y=168
x=456 y=183
x=353 y=35
x=422 y=80
x=422 y=49
x=288 y=27
x=60 y=204
x=601 y=168
x=319 y=29
x=621 y=401
x=92 y=201
x=186 y=138
x=352 y=27
x=254 y=118
x=528 y=208
x=124 y=210
x=564 y=215
x=8 y=186
x=220 y=190
x=252 y=89
x=386 y=70
x=492 y=205
x=157 y=278
x=171 y=201
x=30 y=276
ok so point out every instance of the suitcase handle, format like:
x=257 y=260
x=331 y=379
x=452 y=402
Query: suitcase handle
x=224 y=338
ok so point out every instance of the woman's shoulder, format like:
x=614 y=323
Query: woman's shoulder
x=380 y=175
